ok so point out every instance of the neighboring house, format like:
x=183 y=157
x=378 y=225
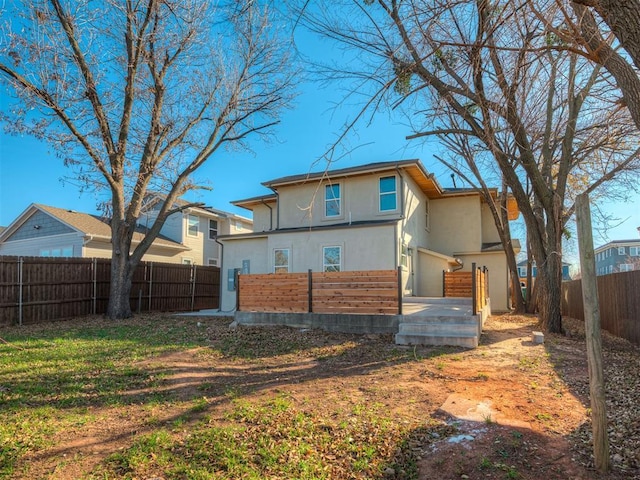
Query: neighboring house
x=46 y=231
x=197 y=228
x=522 y=272
x=372 y=217
x=618 y=256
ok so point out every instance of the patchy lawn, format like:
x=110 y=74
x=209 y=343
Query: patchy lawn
x=165 y=397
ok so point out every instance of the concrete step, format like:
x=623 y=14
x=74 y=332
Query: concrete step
x=451 y=329
x=439 y=300
x=438 y=319
x=466 y=341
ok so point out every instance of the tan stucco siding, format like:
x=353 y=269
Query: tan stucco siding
x=456 y=225
x=264 y=218
x=496 y=262
x=489 y=230
x=370 y=248
x=34 y=246
x=429 y=270
x=304 y=205
x=255 y=251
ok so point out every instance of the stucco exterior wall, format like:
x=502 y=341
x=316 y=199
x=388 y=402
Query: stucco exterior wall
x=304 y=205
x=264 y=219
x=489 y=230
x=429 y=273
x=366 y=248
x=28 y=247
x=456 y=225
x=496 y=262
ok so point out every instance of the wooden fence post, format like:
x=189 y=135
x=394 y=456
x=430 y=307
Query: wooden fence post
x=94 y=297
x=20 y=281
x=193 y=286
x=399 y=290
x=444 y=283
x=150 y=282
x=593 y=335
x=310 y=290
x=474 y=288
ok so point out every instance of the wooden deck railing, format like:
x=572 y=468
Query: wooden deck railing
x=362 y=292
x=473 y=284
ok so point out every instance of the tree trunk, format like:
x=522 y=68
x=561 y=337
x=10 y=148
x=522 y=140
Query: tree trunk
x=119 y=306
x=122 y=268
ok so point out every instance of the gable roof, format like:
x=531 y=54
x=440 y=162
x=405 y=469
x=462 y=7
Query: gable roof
x=84 y=223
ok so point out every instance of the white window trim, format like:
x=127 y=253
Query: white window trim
x=622 y=251
x=395 y=192
x=340 y=200
x=214 y=264
x=189 y=234
x=273 y=256
x=340 y=264
x=634 y=251
x=216 y=229
x=186 y=261
x=628 y=267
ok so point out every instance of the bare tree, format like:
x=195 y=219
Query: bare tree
x=587 y=26
x=138 y=95
x=544 y=114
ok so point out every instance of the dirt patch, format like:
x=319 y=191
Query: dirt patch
x=508 y=409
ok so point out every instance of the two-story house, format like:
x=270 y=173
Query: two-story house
x=197 y=228
x=372 y=217
x=187 y=237
x=522 y=272
x=618 y=256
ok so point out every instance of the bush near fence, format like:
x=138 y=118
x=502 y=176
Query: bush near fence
x=619 y=298
x=363 y=292
x=38 y=289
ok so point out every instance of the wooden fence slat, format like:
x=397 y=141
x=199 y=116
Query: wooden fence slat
x=619 y=303
x=57 y=288
x=337 y=292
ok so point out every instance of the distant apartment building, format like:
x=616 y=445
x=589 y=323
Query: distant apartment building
x=618 y=256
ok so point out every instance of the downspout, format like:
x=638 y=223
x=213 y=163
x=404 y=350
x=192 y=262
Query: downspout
x=277 y=207
x=270 y=212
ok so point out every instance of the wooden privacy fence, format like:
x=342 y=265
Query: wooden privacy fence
x=366 y=292
x=473 y=284
x=619 y=303
x=36 y=289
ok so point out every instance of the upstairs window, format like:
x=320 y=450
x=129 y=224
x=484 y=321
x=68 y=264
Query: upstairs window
x=192 y=225
x=388 y=194
x=213 y=229
x=621 y=251
x=634 y=251
x=332 y=259
x=281 y=260
x=332 y=201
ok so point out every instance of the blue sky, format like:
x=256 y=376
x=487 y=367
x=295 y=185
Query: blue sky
x=31 y=173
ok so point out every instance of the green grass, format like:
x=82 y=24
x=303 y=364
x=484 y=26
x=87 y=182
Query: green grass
x=63 y=377
x=274 y=439
x=51 y=374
